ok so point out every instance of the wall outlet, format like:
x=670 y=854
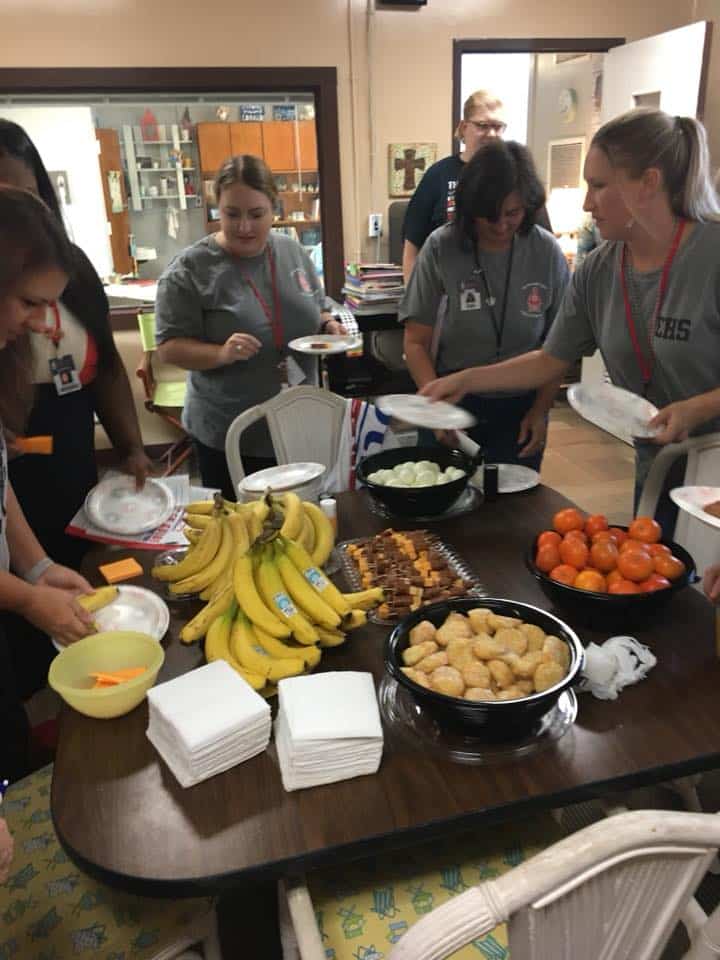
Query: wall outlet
x=375 y=225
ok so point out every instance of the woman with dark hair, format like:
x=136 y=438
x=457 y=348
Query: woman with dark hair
x=226 y=309
x=648 y=297
x=501 y=279
x=77 y=333
x=35 y=264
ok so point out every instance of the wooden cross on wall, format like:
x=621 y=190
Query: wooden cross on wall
x=409 y=163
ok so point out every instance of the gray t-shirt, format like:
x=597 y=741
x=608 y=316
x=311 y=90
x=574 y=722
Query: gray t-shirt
x=686 y=338
x=4 y=550
x=204 y=294
x=468 y=338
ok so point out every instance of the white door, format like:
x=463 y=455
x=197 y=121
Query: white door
x=666 y=71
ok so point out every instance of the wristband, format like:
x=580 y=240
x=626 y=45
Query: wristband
x=35 y=572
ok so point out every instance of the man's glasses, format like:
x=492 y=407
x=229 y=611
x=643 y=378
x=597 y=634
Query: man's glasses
x=489 y=126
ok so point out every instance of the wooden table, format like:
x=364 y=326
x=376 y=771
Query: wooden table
x=123 y=817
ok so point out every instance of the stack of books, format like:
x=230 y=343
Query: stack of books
x=373 y=288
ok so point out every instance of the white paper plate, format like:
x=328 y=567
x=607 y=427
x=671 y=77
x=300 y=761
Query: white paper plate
x=512 y=478
x=613 y=409
x=116 y=506
x=134 y=608
x=322 y=344
x=421 y=412
x=693 y=499
x=286 y=476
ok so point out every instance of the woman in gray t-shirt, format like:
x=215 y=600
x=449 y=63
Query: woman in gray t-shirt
x=484 y=288
x=226 y=309
x=649 y=297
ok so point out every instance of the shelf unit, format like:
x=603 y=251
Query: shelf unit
x=132 y=146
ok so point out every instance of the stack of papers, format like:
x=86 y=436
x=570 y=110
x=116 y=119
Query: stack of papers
x=328 y=728
x=207 y=721
x=373 y=288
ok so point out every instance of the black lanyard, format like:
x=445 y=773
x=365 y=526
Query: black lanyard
x=490 y=299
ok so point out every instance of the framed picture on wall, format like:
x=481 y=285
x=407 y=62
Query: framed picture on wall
x=408 y=163
x=567 y=57
x=565 y=163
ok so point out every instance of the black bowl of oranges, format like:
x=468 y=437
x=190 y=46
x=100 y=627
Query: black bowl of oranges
x=615 y=573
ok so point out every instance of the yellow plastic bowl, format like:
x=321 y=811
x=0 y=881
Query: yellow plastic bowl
x=113 y=650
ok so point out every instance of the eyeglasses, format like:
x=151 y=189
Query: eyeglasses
x=489 y=126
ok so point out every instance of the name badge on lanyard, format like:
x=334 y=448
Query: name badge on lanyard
x=470 y=296
x=62 y=369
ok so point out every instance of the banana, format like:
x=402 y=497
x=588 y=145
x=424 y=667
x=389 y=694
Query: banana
x=200 y=623
x=324 y=533
x=203 y=578
x=250 y=601
x=306 y=537
x=192 y=534
x=331 y=638
x=219 y=583
x=365 y=599
x=307 y=599
x=303 y=562
x=269 y=690
x=356 y=618
x=217 y=647
x=98 y=598
x=261 y=508
x=201 y=506
x=251 y=656
x=198 y=521
x=273 y=592
x=239 y=529
x=293 y=510
x=197 y=559
x=310 y=655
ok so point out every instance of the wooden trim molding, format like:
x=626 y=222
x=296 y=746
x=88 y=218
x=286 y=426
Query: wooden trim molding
x=321 y=82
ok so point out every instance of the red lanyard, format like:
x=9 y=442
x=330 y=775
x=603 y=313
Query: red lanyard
x=646 y=366
x=55 y=332
x=274 y=316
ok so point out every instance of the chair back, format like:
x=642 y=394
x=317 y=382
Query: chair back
x=614 y=891
x=703 y=469
x=305 y=424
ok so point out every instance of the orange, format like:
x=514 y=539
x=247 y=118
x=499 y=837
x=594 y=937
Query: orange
x=619 y=535
x=630 y=544
x=548 y=536
x=568 y=519
x=656 y=549
x=604 y=555
x=574 y=552
x=602 y=535
x=577 y=535
x=613 y=577
x=635 y=565
x=623 y=586
x=547 y=557
x=595 y=523
x=669 y=567
x=645 y=529
x=564 y=573
x=590 y=580
x=654 y=582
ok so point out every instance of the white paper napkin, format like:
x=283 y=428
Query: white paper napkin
x=337 y=705
x=619 y=662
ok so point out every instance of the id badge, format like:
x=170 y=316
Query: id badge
x=470 y=298
x=64 y=374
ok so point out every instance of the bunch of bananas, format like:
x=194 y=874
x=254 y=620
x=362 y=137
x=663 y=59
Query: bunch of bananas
x=269 y=608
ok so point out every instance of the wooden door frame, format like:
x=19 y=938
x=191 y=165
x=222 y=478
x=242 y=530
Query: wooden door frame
x=321 y=82
x=521 y=45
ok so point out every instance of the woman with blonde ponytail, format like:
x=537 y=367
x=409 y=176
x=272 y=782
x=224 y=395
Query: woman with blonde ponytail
x=649 y=297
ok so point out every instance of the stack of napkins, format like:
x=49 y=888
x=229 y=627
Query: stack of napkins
x=328 y=728
x=207 y=721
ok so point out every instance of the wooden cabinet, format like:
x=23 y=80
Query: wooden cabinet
x=279 y=144
x=308 y=145
x=214 y=145
x=111 y=165
x=246 y=137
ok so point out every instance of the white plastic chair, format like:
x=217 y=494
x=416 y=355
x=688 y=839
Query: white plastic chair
x=613 y=891
x=703 y=468
x=305 y=424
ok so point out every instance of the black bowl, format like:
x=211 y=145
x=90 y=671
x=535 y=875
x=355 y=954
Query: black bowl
x=612 y=609
x=417 y=501
x=490 y=720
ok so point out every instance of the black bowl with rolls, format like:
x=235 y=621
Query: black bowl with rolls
x=417 y=501
x=492 y=720
x=612 y=610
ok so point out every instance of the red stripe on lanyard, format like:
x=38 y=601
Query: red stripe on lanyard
x=55 y=334
x=355 y=409
x=646 y=367
x=274 y=316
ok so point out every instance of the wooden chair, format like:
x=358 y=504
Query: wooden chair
x=613 y=891
x=305 y=424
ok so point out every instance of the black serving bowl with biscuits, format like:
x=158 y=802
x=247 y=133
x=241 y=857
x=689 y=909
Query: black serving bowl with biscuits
x=496 y=719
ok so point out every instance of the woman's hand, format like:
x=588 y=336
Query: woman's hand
x=451 y=388
x=56 y=612
x=335 y=328
x=7 y=848
x=533 y=431
x=447 y=437
x=63 y=578
x=138 y=465
x=676 y=421
x=711 y=583
x=238 y=346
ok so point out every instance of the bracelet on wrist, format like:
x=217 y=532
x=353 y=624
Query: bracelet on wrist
x=37 y=570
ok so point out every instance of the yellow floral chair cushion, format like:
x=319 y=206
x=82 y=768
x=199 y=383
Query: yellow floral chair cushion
x=363 y=909
x=49 y=910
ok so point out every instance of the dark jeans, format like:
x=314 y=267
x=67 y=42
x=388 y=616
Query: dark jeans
x=214 y=470
x=497 y=428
